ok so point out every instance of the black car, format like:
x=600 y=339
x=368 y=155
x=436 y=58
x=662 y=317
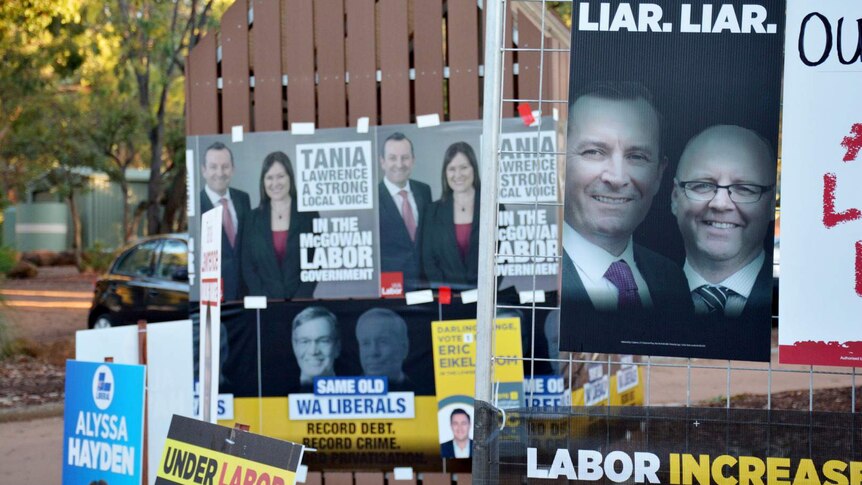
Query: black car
x=148 y=281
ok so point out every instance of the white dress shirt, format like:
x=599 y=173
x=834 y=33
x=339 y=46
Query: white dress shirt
x=216 y=202
x=592 y=262
x=461 y=452
x=740 y=282
x=396 y=197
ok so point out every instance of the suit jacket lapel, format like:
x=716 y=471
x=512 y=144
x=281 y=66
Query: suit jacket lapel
x=206 y=204
x=573 y=288
x=656 y=281
x=420 y=202
x=239 y=207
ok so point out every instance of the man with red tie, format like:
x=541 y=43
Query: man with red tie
x=402 y=203
x=217 y=171
x=614 y=167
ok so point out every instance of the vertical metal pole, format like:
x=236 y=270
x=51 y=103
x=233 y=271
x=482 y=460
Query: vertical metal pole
x=688 y=384
x=259 y=380
x=484 y=451
x=728 y=386
x=487 y=287
x=205 y=374
x=648 y=375
x=810 y=388
x=609 y=391
x=769 y=386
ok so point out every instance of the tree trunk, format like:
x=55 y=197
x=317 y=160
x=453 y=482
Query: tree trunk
x=175 y=204
x=154 y=186
x=127 y=226
x=77 y=238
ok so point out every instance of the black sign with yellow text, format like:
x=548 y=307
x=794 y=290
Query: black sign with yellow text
x=688 y=446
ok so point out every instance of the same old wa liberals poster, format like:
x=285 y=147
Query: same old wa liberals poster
x=670 y=179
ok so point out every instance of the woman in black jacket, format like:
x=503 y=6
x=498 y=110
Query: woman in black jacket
x=270 y=250
x=450 y=243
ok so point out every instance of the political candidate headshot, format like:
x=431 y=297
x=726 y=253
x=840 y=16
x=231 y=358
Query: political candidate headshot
x=217 y=169
x=460 y=446
x=316 y=343
x=724 y=202
x=383 y=346
x=614 y=168
x=402 y=204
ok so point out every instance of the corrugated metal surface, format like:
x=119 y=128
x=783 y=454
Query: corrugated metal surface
x=101 y=212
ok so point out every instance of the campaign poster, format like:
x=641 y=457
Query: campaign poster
x=821 y=206
x=355 y=382
x=301 y=210
x=529 y=206
x=199 y=452
x=209 y=327
x=103 y=423
x=429 y=190
x=455 y=378
x=670 y=180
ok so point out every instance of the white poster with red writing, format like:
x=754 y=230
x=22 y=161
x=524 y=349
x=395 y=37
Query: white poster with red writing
x=821 y=201
x=209 y=330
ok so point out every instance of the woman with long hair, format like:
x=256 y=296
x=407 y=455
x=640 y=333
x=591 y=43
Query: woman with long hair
x=450 y=246
x=270 y=251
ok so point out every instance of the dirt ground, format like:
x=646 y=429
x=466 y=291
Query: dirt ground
x=45 y=313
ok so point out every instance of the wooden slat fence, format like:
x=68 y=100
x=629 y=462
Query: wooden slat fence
x=330 y=62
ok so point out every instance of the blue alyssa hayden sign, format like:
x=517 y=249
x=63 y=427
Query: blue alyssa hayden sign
x=103 y=423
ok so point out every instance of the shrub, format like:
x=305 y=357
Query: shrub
x=98 y=258
x=8 y=258
x=8 y=343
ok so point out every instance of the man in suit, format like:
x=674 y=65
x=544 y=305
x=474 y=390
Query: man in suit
x=402 y=203
x=217 y=171
x=383 y=346
x=614 y=166
x=724 y=202
x=316 y=343
x=460 y=446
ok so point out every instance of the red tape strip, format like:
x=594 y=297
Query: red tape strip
x=445 y=295
x=526 y=113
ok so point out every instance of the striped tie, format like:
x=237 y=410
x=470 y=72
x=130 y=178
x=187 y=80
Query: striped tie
x=714 y=297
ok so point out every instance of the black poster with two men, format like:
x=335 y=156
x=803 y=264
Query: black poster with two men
x=671 y=178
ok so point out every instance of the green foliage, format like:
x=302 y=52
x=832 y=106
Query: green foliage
x=7 y=339
x=98 y=258
x=39 y=56
x=8 y=258
x=563 y=10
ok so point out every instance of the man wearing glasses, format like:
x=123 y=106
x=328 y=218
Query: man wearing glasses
x=724 y=201
x=316 y=343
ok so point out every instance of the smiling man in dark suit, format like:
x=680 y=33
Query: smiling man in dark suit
x=402 y=203
x=614 y=168
x=724 y=202
x=217 y=171
x=460 y=446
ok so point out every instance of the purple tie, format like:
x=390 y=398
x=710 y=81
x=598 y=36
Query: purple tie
x=621 y=276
